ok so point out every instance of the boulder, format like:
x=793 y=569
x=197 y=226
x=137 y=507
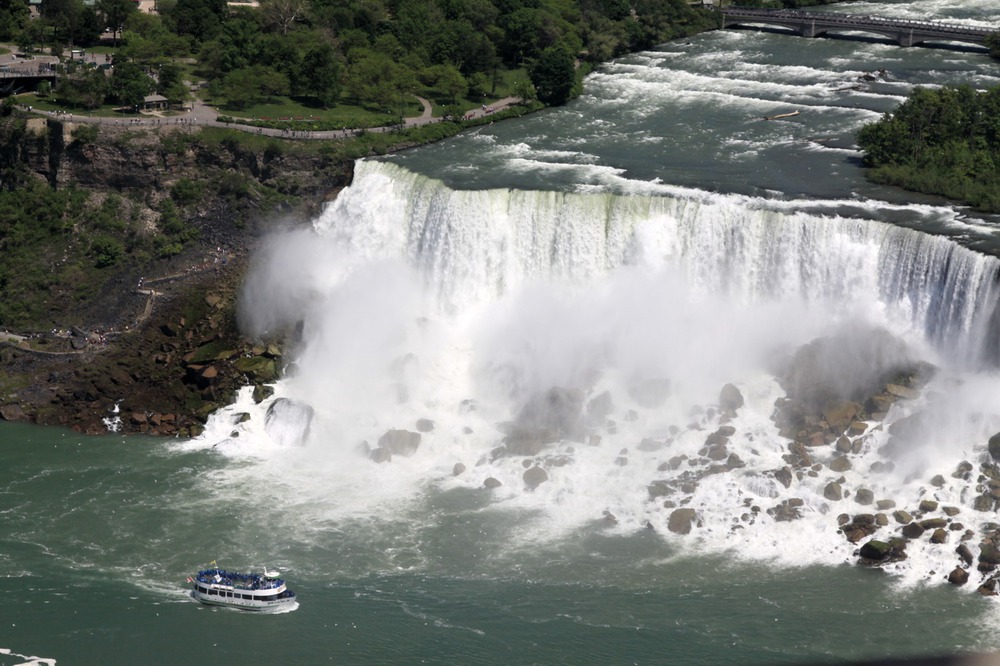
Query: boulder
x=680 y=521
x=425 y=425
x=458 y=469
x=840 y=464
x=558 y=409
x=875 y=550
x=994 y=446
x=525 y=442
x=989 y=553
x=864 y=496
x=534 y=477
x=730 y=398
x=833 y=492
x=13 y=413
x=913 y=531
x=958 y=576
x=964 y=554
x=784 y=476
x=939 y=536
x=381 y=455
x=400 y=442
x=599 y=408
x=927 y=506
x=492 y=483
x=902 y=517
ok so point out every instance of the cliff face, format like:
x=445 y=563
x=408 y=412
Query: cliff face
x=161 y=351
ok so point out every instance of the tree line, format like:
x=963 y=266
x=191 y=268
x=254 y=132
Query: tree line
x=372 y=52
x=940 y=141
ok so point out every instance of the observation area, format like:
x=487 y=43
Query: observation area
x=815 y=24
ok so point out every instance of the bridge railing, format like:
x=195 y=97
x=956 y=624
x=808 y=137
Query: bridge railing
x=856 y=20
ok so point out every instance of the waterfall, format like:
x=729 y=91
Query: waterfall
x=445 y=318
x=472 y=247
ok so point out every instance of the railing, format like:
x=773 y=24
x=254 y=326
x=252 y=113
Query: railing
x=786 y=16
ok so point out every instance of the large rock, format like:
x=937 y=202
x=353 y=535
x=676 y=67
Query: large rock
x=851 y=365
x=958 y=576
x=600 y=408
x=994 y=446
x=288 y=422
x=680 y=521
x=534 y=477
x=730 y=398
x=558 y=409
x=529 y=442
x=400 y=442
x=875 y=550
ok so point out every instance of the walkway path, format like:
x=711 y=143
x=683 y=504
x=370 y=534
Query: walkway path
x=201 y=114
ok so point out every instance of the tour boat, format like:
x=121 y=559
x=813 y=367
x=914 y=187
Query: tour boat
x=249 y=591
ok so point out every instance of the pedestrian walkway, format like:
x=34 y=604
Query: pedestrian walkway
x=202 y=115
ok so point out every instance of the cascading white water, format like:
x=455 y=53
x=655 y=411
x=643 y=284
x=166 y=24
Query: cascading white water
x=457 y=308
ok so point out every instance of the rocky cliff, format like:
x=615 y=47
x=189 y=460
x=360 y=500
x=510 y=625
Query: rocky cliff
x=156 y=349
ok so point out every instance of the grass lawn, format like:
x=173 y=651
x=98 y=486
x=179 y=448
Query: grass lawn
x=49 y=104
x=347 y=115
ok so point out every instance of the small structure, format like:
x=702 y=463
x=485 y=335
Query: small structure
x=151 y=102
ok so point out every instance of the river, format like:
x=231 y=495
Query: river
x=650 y=242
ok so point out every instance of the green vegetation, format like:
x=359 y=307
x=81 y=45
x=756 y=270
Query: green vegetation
x=943 y=142
x=300 y=58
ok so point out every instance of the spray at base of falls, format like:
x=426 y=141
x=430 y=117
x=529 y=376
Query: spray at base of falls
x=585 y=338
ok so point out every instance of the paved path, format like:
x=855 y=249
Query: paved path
x=201 y=114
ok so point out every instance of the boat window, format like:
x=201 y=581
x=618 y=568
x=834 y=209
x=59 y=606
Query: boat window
x=213 y=592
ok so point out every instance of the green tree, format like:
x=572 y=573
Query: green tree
x=253 y=84
x=201 y=19
x=130 y=84
x=14 y=15
x=554 y=75
x=115 y=14
x=321 y=73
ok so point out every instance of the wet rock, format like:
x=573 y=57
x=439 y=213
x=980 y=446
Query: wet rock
x=13 y=413
x=885 y=505
x=534 y=477
x=558 y=409
x=492 y=483
x=964 y=554
x=913 y=531
x=381 y=455
x=458 y=469
x=958 y=576
x=730 y=398
x=902 y=517
x=600 y=408
x=844 y=445
x=989 y=553
x=934 y=523
x=833 y=492
x=864 y=496
x=840 y=464
x=927 y=506
x=400 y=442
x=939 y=536
x=937 y=481
x=680 y=521
x=425 y=425
x=524 y=442
x=784 y=476
x=875 y=550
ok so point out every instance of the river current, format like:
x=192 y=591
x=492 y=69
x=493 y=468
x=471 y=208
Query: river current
x=650 y=242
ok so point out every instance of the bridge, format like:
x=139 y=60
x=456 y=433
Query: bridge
x=24 y=76
x=815 y=24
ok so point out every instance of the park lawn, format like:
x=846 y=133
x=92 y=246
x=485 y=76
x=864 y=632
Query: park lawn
x=347 y=115
x=49 y=104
